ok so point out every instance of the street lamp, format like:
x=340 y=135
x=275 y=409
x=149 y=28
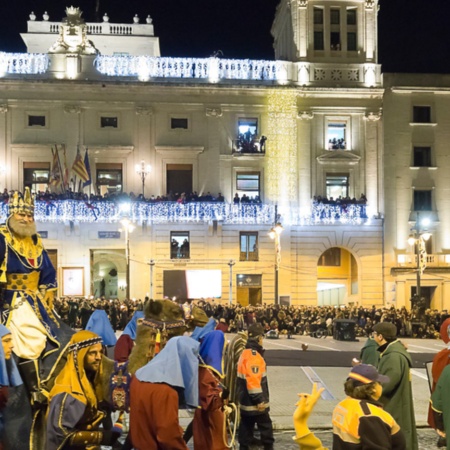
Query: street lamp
x=143 y=170
x=231 y=263
x=128 y=228
x=418 y=238
x=275 y=233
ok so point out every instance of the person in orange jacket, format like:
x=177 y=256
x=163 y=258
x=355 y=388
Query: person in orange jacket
x=254 y=391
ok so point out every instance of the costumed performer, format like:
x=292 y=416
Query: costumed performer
x=125 y=343
x=441 y=405
x=74 y=416
x=168 y=382
x=28 y=281
x=9 y=375
x=99 y=324
x=208 y=425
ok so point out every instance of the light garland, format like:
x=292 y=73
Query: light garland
x=146 y=67
x=282 y=147
x=23 y=63
x=77 y=211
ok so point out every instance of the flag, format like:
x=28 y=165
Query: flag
x=79 y=168
x=55 y=172
x=65 y=169
x=88 y=169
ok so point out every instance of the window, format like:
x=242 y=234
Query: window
x=337 y=135
x=36 y=121
x=248 y=183
x=248 y=140
x=422 y=201
x=179 y=245
x=178 y=123
x=334 y=16
x=36 y=176
x=351 y=16
x=108 y=178
x=108 y=122
x=335 y=40
x=318 y=16
x=330 y=257
x=422 y=156
x=351 y=42
x=248 y=246
x=337 y=185
x=421 y=114
x=318 y=40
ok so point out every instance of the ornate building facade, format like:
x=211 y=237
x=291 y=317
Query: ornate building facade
x=290 y=134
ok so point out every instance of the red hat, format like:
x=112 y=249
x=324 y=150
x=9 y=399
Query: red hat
x=444 y=330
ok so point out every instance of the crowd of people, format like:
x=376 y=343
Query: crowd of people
x=317 y=199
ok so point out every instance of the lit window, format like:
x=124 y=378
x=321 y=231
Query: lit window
x=422 y=200
x=248 y=246
x=36 y=176
x=337 y=185
x=337 y=135
x=248 y=184
x=422 y=157
x=179 y=245
x=109 y=178
x=248 y=140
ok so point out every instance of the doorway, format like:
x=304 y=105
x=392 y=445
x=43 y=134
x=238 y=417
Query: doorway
x=179 y=178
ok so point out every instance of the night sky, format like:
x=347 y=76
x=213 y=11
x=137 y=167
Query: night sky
x=412 y=37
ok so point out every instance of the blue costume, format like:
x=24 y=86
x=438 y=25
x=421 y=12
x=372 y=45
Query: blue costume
x=100 y=324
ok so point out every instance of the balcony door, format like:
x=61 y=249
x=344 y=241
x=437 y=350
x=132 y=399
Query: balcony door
x=179 y=178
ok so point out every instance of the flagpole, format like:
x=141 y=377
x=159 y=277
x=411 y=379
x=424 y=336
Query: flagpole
x=63 y=187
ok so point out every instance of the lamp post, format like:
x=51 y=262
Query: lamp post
x=275 y=233
x=418 y=238
x=128 y=228
x=143 y=170
x=152 y=264
x=231 y=263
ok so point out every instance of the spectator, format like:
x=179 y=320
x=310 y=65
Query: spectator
x=395 y=362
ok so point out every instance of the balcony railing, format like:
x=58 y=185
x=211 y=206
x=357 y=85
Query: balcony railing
x=253 y=146
x=23 y=63
x=107 y=211
x=409 y=260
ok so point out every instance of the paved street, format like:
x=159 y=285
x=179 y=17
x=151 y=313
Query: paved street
x=287 y=380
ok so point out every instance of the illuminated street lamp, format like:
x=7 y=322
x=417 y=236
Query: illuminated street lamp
x=143 y=170
x=275 y=233
x=418 y=237
x=127 y=228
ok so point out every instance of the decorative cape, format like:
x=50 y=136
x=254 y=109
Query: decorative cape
x=9 y=374
x=201 y=332
x=212 y=347
x=73 y=379
x=100 y=324
x=131 y=327
x=444 y=331
x=177 y=366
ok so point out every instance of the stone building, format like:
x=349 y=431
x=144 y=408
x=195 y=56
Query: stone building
x=286 y=133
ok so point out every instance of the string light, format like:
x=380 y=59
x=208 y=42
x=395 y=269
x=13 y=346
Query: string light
x=23 y=63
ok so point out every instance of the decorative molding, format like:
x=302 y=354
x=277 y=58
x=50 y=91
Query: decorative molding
x=144 y=111
x=305 y=115
x=187 y=151
x=213 y=112
x=72 y=109
x=373 y=116
x=369 y=4
x=3 y=109
x=338 y=158
x=302 y=3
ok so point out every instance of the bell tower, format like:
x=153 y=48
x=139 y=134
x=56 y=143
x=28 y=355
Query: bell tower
x=331 y=41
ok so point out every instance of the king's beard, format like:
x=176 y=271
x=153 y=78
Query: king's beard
x=22 y=230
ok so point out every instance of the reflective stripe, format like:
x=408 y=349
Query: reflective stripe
x=253 y=407
x=255 y=391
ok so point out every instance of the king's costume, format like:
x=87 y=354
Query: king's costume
x=28 y=281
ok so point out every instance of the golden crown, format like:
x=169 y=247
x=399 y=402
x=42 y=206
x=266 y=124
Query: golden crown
x=22 y=203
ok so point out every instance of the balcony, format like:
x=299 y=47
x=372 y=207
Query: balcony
x=408 y=262
x=249 y=145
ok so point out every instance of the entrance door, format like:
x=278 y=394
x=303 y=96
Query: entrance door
x=425 y=291
x=249 y=296
x=179 y=178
